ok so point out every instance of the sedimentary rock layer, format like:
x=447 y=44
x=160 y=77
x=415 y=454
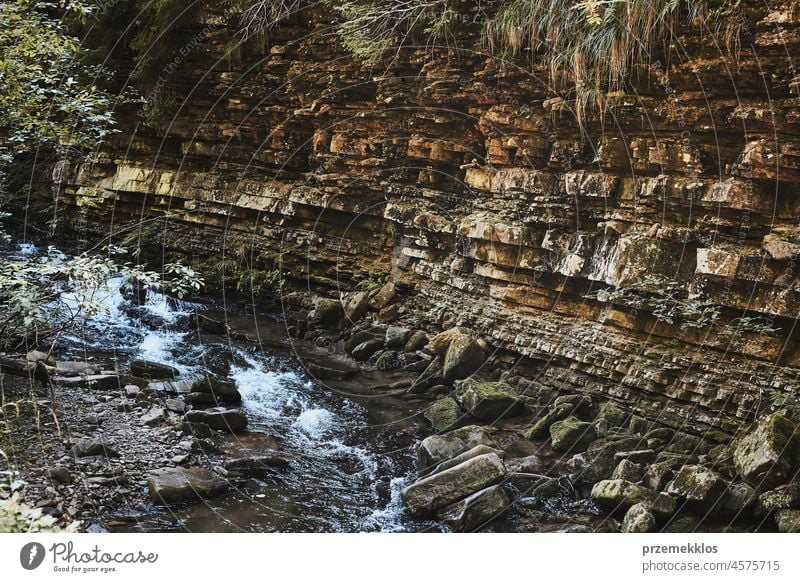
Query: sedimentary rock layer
x=470 y=184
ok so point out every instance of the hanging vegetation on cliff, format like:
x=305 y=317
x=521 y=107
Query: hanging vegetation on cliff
x=589 y=47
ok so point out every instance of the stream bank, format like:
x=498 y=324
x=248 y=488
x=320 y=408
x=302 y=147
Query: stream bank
x=344 y=415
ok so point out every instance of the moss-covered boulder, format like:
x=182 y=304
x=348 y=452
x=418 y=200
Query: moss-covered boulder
x=699 y=486
x=475 y=511
x=612 y=414
x=456 y=483
x=327 y=313
x=620 y=494
x=488 y=400
x=683 y=524
x=396 y=337
x=628 y=470
x=387 y=360
x=417 y=341
x=767 y=455
x=464 y=356
x=638 y=519
x=540 y=428
x=435 y=449
x=476 y=451
x=444 y=414
x=658 y=475
x=599 y=460
x=788 y=520
x=663 y=506
x=571 y=434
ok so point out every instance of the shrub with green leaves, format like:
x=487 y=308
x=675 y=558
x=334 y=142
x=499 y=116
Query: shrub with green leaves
x=49 y=96
x=18 y=517
x=41 y=295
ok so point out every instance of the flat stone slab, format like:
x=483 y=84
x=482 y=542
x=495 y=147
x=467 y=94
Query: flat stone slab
x=258 y=463
x=96 y=381
x=76 y=369
x=180 y=484
x=153 y=370
x=227 y=419
x=176 y=387
x=454 y=484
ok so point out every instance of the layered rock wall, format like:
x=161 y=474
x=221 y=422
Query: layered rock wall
x=472 y=186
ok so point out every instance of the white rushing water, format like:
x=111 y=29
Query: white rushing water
x=335 y=484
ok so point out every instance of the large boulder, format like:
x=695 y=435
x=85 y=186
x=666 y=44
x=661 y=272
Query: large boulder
x=444 y=414
x=430 y=376
x=363 y=335
x=214 y=392
x=154 y=416
x=441 y=342
x=739 y=501
x=258 y=463
x=620 y=494
x=396 y=337
x=476 y=510
x=460 y=458
x=612 y=415
x=628 y=470
x=34 y=356
x=179 y=484
x=225 y=419
x=464 y=356
x=365 y=350
x=541 y=427
x=417 y=341
x=435 y=449
x=355 y=306
x=327 y=313
x=68 y=369
x=153 y=370
x=767 y=455
x=600 y=459
x=383 y=297
x=451 y=485
x=210 y=325
x=571 y=434
x=638 y=519
x=488 y=400
x=699 y=486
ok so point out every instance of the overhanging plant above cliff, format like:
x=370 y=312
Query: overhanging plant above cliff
x=590 y=46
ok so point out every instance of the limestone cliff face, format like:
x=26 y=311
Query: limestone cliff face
x=469 y=185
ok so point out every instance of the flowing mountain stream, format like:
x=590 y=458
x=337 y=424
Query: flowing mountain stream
x=350 y=454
